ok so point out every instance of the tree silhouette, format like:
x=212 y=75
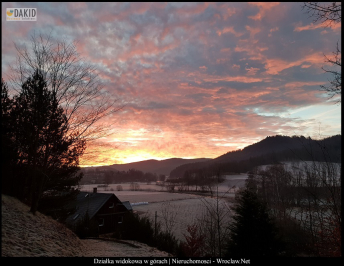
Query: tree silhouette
x=9 y=153
x=74 y=82
x=253 y=232
x=47 y=154
x=194 y=242
x=329 y=13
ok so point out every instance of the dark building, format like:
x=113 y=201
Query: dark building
x=104 y=211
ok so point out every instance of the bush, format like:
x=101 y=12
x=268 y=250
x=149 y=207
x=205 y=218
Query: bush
x=86 y=227
x=142 y=229
x=296 y=239
x=166 y=242
x=136 y=228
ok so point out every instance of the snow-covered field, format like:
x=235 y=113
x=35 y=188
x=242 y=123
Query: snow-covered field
x=181 y=212
x=231 y=183
x=232 y=180
x=185 y=208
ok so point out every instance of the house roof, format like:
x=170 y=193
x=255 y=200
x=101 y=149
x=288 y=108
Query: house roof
x=127 y=205
x=91 y=202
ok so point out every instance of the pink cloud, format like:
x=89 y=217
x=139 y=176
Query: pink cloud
x=275 y=66
x=192 y=9
x=237 y=67
x=229 y=30
x=252 y=71
x=243 y=79
x=253 y=31
x=313 y=26
x=263 y=9
x=298 y=84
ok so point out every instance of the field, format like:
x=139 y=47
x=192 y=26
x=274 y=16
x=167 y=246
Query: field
x=231 y=184
x=178 y=209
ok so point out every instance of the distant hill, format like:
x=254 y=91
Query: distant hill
x=271 y=150
x=289 y=146
x=153 y=166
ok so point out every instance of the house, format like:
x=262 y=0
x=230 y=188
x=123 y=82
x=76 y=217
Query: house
x=104 y=210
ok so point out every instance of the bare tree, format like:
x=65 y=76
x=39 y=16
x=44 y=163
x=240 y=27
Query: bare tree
x=134 y=186
x=307 y=193
x=75 y=83
x=329 y=13
x=213 y=225
x=213 y=222
x=335 y=86
x=169 y=214
x=326 y=12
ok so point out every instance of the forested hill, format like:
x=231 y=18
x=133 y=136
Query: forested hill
x=272 y=149
x=154 y=166
x=291 y=147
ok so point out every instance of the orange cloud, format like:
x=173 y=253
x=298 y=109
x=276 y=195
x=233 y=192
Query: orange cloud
x=264 y=7
x=252 y=70
x=298 y=84
x=228 y=30
x=275 y=66
x=253 y=31
x=313 y=26
x=242 y=79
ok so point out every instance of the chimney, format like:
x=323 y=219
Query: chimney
x=94 y=190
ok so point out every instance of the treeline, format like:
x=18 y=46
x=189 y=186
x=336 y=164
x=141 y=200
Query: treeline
x=115 y=177
x=305 y=202
x=282 y=211
x=202 y=180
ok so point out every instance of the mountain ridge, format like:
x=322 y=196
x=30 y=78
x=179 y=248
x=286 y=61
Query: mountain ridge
x=153 y=166
x=273 y=149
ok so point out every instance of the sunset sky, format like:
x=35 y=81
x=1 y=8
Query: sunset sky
x=197 y=79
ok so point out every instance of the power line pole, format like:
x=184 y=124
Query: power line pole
x=156 y=216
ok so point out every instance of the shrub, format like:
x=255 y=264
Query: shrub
x=142 y=229
x=166 y=242
x=86 y=227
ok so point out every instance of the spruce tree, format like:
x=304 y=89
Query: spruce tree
x=9 y=152
x=252 y=233
x=48 y=154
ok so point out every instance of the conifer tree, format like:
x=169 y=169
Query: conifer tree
x=253 y=232
x=48 y=154
x=9 y=153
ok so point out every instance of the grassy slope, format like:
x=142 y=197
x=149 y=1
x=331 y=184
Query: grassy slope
x=25 y=234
